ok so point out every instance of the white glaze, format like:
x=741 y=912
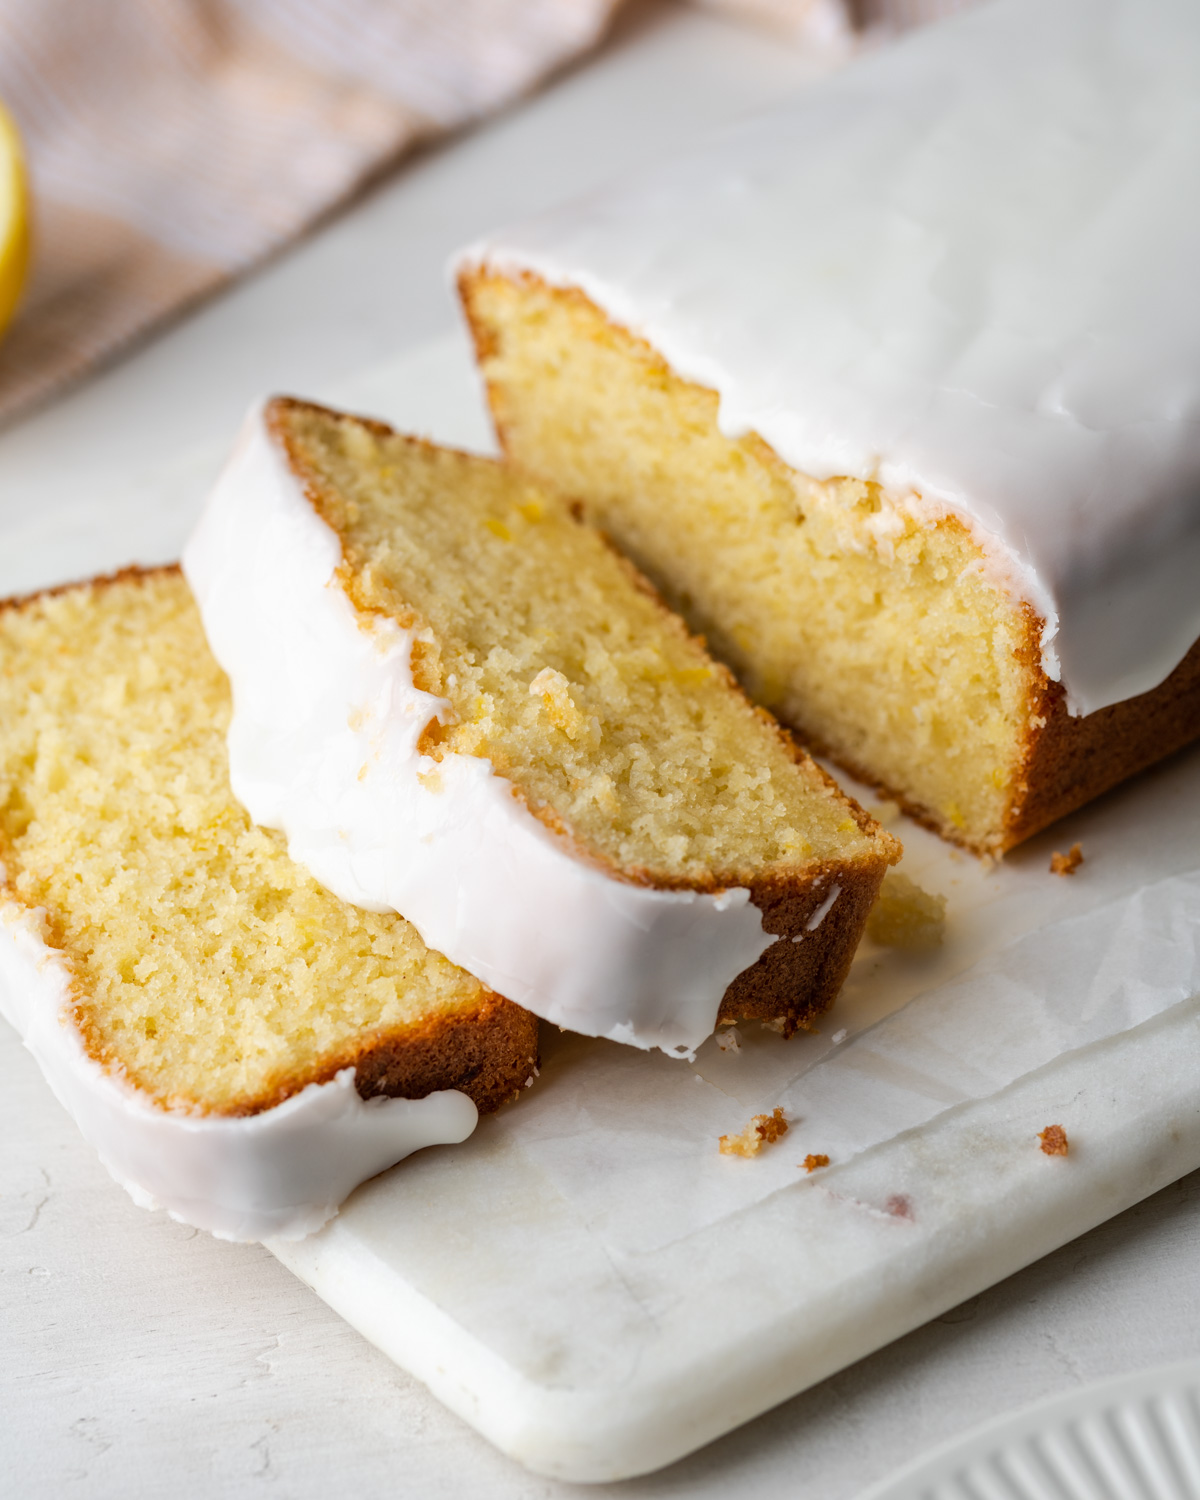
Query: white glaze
x=964 y=267
x=323 y=745
x=278 y=1174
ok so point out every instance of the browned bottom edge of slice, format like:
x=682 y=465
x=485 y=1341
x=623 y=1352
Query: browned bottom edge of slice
x=798 y=978
x=1070 y=761
x=489 y=1055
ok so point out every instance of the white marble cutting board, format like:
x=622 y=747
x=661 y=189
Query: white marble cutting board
x=591 y=1285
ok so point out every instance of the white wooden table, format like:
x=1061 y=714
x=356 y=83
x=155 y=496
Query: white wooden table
x=141 y=1358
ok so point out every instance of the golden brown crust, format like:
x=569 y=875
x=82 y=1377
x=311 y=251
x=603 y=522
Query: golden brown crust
x=489 y=1055
x=101 y=581
x=1071 y=760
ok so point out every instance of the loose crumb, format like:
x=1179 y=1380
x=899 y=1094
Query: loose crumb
x=839 y=1036
x=905 y=916
x=762 y=1130
x=730 y=1040
x=776 y=1023
x=1054 y=1137
x=1068 y=863
x=814 y=1160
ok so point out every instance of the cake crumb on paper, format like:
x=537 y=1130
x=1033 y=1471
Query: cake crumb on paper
x=1068 y=863
x=905 y=916
x=814 y=1160
x=762 y=1130
x=730 y=1040
x=1054 y=1140
x=787 y=1026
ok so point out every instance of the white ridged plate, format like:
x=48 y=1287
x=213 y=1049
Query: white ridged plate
x=1133 y=1438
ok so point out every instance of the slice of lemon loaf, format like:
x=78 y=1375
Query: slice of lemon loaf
x=461 y=704
x=240 y=1046
x=893 y=392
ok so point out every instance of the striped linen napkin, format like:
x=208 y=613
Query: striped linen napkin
x=173 y=143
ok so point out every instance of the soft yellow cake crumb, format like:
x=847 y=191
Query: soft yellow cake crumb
x=763 y=1130
x=562 y=668
x=905 y=916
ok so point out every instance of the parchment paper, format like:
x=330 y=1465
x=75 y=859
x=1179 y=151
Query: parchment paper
x=1034 y=965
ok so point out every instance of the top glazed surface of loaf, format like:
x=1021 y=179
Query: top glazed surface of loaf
x=964 y=268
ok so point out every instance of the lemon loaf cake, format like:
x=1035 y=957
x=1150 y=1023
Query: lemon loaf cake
x=241 y=1047
x=459 y=703
x=895 y=394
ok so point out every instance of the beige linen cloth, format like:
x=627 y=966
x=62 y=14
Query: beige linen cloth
x=172 y=143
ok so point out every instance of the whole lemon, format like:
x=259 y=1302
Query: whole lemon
x=14 y=218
